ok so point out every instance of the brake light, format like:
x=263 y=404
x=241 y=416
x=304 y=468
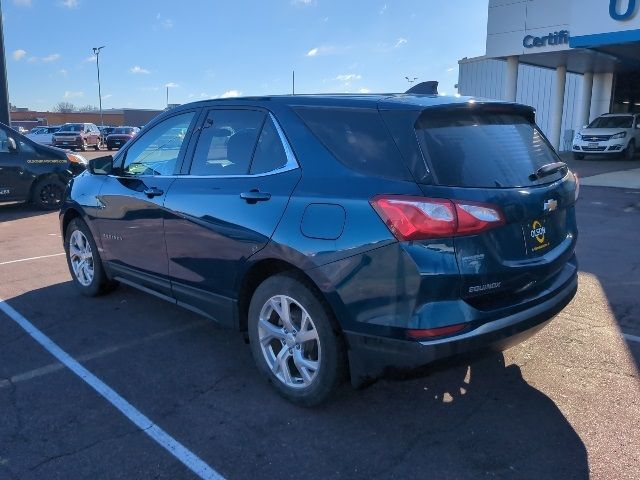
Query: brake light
x=419 y=218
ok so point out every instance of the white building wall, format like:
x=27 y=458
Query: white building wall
x=485 y=77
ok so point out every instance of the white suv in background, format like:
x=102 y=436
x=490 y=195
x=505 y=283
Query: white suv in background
x=609 y=134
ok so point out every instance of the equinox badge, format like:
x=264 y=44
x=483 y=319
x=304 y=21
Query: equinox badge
x=550 y=205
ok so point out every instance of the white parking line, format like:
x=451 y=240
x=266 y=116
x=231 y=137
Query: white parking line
x=57 y=366
x=31 y=258
x=633 y=338
x=170 y=444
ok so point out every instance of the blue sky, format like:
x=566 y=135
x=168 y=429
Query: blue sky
x=206 y=48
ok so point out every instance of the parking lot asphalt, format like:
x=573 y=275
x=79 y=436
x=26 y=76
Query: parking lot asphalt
x=562 y=405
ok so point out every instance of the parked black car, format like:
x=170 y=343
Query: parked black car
x=364 y=232
x=31 y=172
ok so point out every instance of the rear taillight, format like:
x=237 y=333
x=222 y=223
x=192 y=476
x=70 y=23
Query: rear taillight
x=419 y=218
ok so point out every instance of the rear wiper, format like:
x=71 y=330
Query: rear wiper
x=549 y=169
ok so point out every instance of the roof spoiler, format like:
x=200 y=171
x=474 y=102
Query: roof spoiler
x=424 y=88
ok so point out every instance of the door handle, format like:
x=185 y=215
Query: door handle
x=153 y=192
x=253 y=196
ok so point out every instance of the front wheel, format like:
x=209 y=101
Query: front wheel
x=84 y=261
x=97 y=146
x=294 y=342
x=630 y=152
x=47 y=193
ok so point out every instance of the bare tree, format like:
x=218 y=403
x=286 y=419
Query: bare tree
x=87 y=108
x=64 y=107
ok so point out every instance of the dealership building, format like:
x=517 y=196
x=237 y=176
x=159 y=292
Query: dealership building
x=572 y=60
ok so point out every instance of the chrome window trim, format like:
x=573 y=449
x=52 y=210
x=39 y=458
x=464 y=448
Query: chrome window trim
x=292 y=162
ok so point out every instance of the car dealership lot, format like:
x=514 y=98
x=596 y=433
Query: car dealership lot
x=562 y=405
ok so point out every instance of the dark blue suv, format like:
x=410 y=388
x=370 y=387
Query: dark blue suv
x=343 y=233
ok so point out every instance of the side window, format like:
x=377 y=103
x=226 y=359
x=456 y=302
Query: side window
x=4 y=147
x=270 y=154
x=157 y=151
x=227 y=142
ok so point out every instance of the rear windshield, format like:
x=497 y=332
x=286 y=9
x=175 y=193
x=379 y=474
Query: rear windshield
x=483 y=149
x=358 y=138
x=612 y=122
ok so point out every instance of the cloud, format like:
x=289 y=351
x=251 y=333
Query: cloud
x=303 y=3
x=364 y=90
x=349 y=77
x=70 y=3
x=313 y=52
x=32 y=59
x=90 y=58
x=383 y=9
x=401 y=41
x=171 y=85
x=231 y=94
x=18 y=54
x=69 y=94
x=22 y=3
x=165 y=23
x=108 y=95
x=137 y=69
x=63 y=72
x=51 y=58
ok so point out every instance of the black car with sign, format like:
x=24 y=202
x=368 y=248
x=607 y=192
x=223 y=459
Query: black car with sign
x=30 y=172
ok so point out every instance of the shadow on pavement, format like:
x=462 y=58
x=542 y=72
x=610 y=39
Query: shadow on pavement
x=17 y=211
x=474 y=417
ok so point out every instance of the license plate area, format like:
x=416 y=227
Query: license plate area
x=544 y=233
x=593 y=145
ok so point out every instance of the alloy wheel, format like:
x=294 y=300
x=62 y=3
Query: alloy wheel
x=81 y=258
x=51 y=195
x=289 y=341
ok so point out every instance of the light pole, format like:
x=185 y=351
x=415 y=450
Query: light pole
x=411 y=80
x=4 y=89
x=96 y=52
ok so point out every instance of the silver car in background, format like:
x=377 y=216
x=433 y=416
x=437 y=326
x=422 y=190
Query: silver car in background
x=43 y=135
x=609 y=135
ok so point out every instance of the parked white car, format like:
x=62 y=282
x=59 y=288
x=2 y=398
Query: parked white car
x=609 y=134
x=43 y=135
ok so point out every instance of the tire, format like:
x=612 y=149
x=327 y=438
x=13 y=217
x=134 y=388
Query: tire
x=109 y=148
x=97 y=146
x=83 y=147
x=90 y=279
x=323 y=348
x=578 y=156
x=630 y=152
x=47 y=193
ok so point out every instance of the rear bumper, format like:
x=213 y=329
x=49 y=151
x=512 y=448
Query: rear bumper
x=371 y=357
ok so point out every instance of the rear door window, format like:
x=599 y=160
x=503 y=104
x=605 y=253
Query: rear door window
x=483 y=149
x=227 y=142
x=358 y=138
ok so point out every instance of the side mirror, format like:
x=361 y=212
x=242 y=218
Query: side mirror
x=101 y=165
x=11 y=145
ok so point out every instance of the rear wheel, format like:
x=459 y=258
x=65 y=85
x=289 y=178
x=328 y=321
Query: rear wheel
x=84 y=260
x=630 y=152
x=47 y=193
x=83 y=146
x=578 y=156
x=97 y=146
x=293 y=341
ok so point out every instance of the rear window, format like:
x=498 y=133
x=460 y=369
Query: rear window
x=483 y=149
x=358 y=138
